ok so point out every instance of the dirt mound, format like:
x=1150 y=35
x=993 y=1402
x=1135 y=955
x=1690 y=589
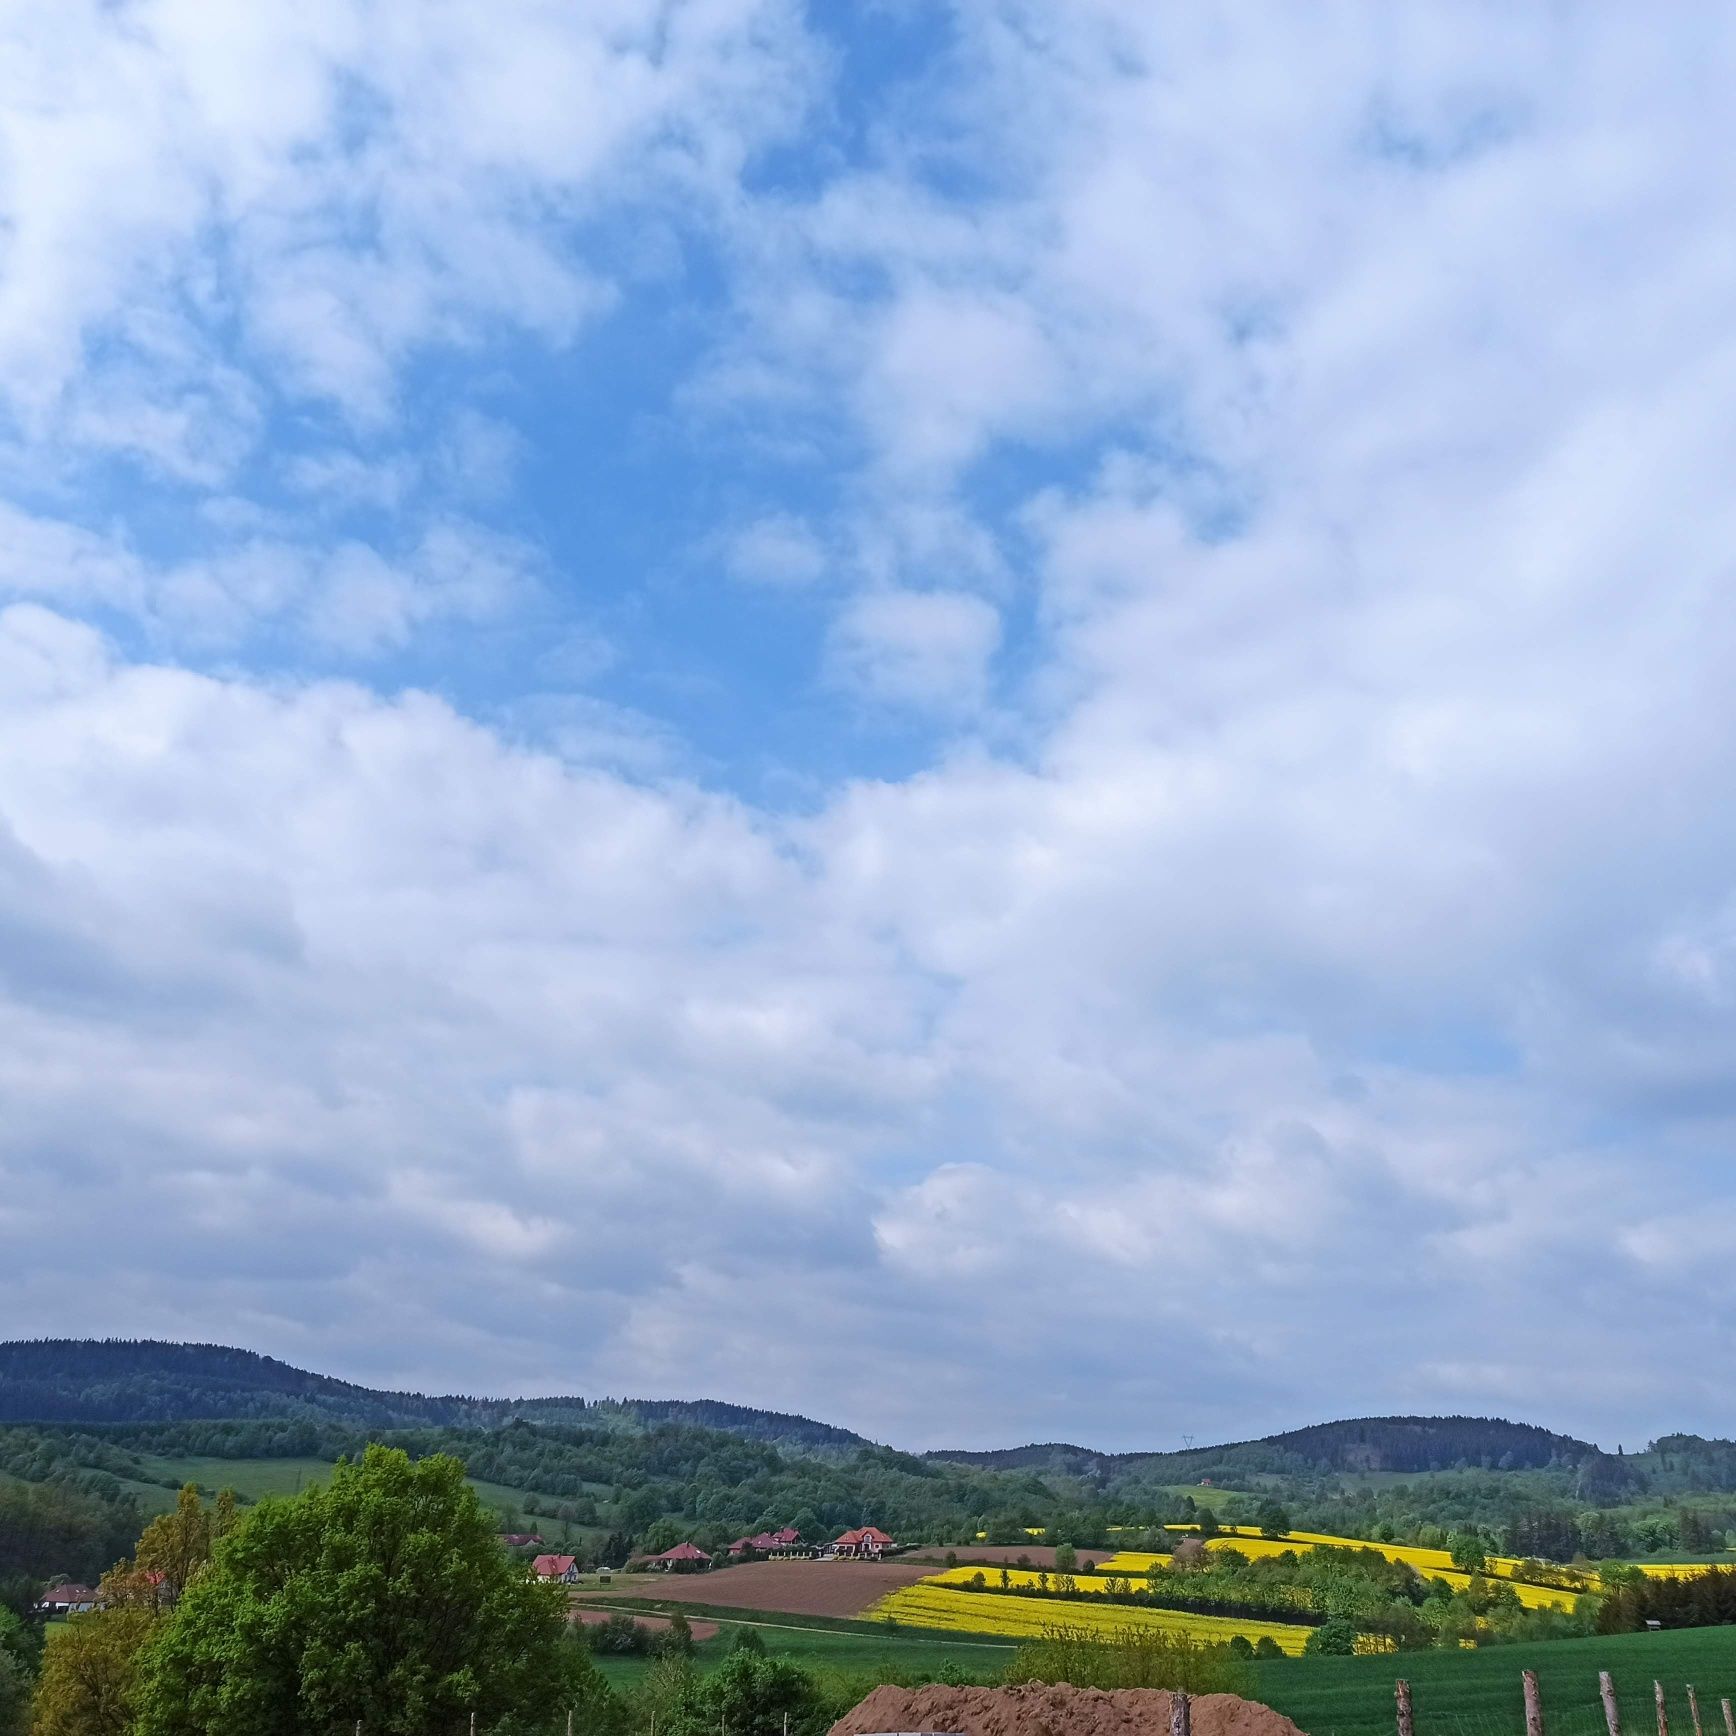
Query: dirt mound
x=1035 y=1709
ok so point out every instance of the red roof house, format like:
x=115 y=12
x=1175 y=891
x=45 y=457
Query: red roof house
x=682 y=1558
x=866 y=1542
x=556 y=1569
x=787 y=1541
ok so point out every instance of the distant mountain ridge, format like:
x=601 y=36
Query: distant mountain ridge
x=143 y=1381
x=1410 y=1444
x=113 y=1380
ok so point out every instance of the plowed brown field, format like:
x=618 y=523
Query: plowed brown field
x=837 y=1588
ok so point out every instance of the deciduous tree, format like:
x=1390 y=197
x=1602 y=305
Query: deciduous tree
x=382 y=1596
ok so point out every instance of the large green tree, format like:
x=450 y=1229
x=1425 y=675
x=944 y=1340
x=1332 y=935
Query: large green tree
x=382 y=1596
x=89 y=1682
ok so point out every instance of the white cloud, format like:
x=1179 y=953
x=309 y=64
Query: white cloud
x=347 y=598
x=373 y=179
x=928 y=650
x=1312 y=439
x=778 y=549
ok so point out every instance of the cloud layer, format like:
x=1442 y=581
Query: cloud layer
x=1241 y=508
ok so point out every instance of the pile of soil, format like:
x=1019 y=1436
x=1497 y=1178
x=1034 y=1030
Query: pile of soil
x=1036 y=1709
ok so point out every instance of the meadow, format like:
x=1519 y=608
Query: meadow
x=817 y=1642
x=1478 y=1693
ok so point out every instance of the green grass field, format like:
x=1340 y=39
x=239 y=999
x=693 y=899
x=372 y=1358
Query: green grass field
x=253 y=1478
x=825 y=1642
x=1478 y=1693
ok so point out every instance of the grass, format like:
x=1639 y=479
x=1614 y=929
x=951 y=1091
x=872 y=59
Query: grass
x=249 y=1478
x=823 y=1643
x=253 y=1478
x=1478 y=1693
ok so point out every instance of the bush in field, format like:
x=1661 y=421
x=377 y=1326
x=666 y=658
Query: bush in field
x=1267 y=1647
x=676 y=1638
x=618 y=1637
x=1130 y=1659
x=1332 y=1639
x=749 y=1694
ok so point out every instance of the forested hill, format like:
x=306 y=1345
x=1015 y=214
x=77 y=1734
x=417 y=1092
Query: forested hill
x=87 y=1380
x=1409 y=1444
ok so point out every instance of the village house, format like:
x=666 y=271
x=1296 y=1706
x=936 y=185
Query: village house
x=521 y=1539
x=683 y=1558
x=865 y=1543
x=555 y=1569
x=67 y=1599
x=778 y=1545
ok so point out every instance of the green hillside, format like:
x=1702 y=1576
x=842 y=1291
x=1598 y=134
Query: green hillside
x=83 y=1381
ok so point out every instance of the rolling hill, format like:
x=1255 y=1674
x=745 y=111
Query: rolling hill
x=1407 y=1444
x=112 y=1380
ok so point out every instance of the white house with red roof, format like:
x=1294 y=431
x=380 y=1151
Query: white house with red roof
x=555 y=1569
x=865 y=1543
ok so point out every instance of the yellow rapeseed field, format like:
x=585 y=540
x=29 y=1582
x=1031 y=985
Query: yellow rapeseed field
x=928 y=1604
x=1432 y=1563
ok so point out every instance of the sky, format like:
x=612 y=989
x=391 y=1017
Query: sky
x=1001 y=721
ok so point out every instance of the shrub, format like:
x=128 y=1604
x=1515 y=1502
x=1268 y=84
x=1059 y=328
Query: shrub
x=1334 y=1638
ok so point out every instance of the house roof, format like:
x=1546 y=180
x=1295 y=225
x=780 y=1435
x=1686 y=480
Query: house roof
x=682 y=1552
x=866 y=1534
x=518 y=1539
x=767 y=1540
x=68 y=1593
x=553 y=1566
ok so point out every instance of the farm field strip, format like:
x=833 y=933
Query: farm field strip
x=949 y=1607
x=717 y=1617
x=1478 y=1692
x=1431 y=1563
x=821 y=1588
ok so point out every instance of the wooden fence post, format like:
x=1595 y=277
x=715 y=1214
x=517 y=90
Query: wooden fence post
x=1533 y=1704
x=1694 y=1708
x=1663 y=1710
x=1729 y=1717
x=1611 y=1711
x=1406 y=1724
x=1180 y=1716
